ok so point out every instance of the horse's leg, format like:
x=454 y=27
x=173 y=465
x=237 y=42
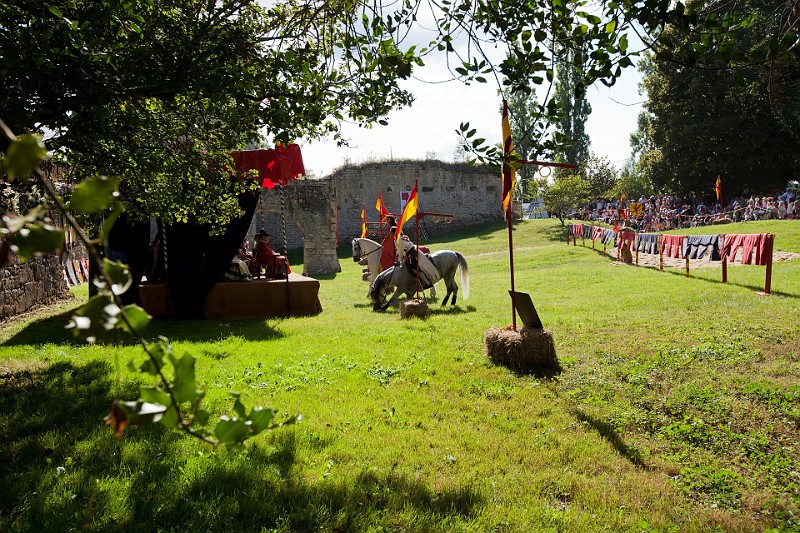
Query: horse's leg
x=452 y=288
x=447 y=296
x=397 y=293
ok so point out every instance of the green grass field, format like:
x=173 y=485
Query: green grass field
x=676 y=408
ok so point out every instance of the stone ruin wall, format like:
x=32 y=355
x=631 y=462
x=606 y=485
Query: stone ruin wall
x=320 y=215
x=309 y=211
x=471 y=194
x=26 y=285
x=39 y=280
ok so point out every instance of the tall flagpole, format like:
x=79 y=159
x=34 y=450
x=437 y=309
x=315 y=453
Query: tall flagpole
x=508 y=181
x=416 y=227
x=511 y=263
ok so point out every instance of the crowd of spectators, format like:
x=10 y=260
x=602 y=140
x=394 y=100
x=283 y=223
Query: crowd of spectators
x=665 y=212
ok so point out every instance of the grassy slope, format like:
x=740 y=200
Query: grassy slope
x=676 y=408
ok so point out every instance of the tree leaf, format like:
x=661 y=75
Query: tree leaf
x=260 y=419
x=37 y=239
x=138 y=318
x=95 y=194
x=141 y=413
x=230 y=431
x=154 y=395
x=23 y=156
x=94 y=319
x=119 y=274
x=185 y=387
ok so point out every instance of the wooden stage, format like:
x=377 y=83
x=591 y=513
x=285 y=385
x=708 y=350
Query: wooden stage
x=260 y=298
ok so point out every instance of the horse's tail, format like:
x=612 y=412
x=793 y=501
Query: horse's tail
x=462 y=263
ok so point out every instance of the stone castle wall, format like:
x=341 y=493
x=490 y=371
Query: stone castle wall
x=471 y=194
x=24 y=286
x=308 y=210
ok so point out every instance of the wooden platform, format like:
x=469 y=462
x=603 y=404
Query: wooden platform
x=299 y=296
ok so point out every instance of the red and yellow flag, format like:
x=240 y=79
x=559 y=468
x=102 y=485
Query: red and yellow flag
x=509 y=173
x=364 y=223
x=718 y=188
x=408 y=212
x=381 y=208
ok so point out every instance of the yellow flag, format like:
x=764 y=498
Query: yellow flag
x=381 y=208
x=509 y=173
x=408 y=212
x=364 y=223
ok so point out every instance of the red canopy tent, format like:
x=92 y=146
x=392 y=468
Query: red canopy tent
x=275 y=166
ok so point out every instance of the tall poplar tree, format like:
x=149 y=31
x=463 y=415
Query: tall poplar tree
x=574 y=106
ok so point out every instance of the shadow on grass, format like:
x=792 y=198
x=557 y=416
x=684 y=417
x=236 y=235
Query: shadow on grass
x=61 y=469
x=261 y=490
x=754 y=288
x=44 y=412
x=51 y=330
x=544 y=373
x=452 y=310
x=324 y=277
x=610 y=435
x=555 y=233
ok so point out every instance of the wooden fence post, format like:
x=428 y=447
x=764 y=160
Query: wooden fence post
x=770 y=241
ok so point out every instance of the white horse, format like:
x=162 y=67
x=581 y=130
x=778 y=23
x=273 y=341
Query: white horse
x=401 y=279
x=368 y=252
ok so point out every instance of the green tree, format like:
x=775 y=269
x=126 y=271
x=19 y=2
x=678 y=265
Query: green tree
x=563 y=195
x=159 y=93
x=701 y=121
x=527 y=130
x=574 y=106
x=631 y=182
x=599 y=174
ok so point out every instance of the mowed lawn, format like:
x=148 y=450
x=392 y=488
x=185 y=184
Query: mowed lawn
x=676 y=408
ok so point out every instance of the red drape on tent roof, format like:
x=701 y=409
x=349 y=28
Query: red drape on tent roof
x=275 y=166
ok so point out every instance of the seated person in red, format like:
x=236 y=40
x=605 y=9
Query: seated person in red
x=276 y=265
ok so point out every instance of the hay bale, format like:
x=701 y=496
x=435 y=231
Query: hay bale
x=416 y=307
x=524 y=350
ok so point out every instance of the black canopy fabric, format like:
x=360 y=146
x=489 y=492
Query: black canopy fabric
x=197 y=260
x=128 y=242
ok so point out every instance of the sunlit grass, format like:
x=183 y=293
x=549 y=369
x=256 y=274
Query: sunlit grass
x=676 y=408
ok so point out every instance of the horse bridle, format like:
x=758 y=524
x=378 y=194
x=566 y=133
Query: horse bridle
x=360 y=256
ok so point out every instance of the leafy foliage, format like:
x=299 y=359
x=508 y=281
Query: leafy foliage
x=701 y=122
x=575 y=107
x=174 y=402
x=564 y=195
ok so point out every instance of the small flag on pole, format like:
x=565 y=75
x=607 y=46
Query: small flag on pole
x=509 y=174
x=364 y=223
x=381 y=208
x=408 y=212
x=718 y=188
